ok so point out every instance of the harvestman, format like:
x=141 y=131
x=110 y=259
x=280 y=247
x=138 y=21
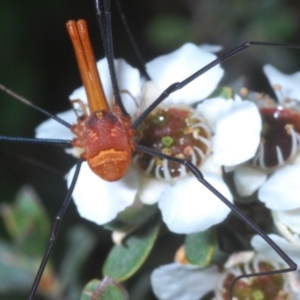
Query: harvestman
x=100 y=112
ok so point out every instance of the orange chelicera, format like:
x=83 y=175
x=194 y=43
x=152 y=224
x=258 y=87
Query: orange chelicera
x=105 y=134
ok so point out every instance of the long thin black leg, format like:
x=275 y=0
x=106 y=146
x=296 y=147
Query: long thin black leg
x=35 y=140
x=54 y=231
x=179 y=85
x=29 y=103
x=103 y=16
x=197 y=173
x=133 y=42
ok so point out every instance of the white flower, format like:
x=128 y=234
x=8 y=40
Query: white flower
x=278 y=187
x=186 y=205
x=187 y=282
x=286 y=86
x=183 y=282
x=291 y=249
x=287 y=223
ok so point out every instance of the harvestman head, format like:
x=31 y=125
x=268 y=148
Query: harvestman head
x=110 y=157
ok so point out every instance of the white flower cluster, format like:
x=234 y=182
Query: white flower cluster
x=186 y=205
x=278 y=187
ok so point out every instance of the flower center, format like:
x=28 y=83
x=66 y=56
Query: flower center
x=255 y=288
x=280 y=136
x=174 y=131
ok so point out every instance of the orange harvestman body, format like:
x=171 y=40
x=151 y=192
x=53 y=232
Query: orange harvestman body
x=108 y=157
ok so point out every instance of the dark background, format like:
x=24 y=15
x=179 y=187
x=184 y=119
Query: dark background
x=37 y=61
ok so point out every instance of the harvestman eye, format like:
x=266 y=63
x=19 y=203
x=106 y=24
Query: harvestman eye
x=105 y=133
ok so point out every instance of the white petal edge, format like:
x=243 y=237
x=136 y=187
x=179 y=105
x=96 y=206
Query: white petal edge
x=290 y=218
x=211 y=48
x=289 y=83
x=150 y=189
x=100 y=201
x=180 y=64
x=239 y=258
x=183 y=282
x=237 y=134
x=51 y=129
x=150 y=92
x=281 y=191
x=261 y=246
x=209 y=167
x=248 y=179
x=188 y=207
x=128 y=79
x=212 y=108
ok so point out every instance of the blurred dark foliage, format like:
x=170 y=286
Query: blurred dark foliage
x=37 y=61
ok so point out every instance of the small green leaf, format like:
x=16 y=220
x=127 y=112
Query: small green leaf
x=16 y=269
x=107 y=289
x=80 y=244
x=200 y=247
x=124 y=260
x=27 y=222
x=133 y=216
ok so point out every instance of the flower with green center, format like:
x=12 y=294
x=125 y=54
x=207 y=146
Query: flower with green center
x=187 y=282
x=275 y=169
x=288 y=225
x=178 y=132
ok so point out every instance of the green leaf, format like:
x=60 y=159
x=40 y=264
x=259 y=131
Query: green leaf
x=80 y=244
x=15 y=269
x=200 y=247
x=133 y=216
x=27 y=222
x=107 y=289
x=124 y=260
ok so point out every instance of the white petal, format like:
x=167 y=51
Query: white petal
x=183 y=282
x=228 y=169
x=296 y=159
x=150 y=92
x=150 y=189
x=282 y=190
x=213 y=108
x=248 y=179
x=261 y=246
x=128 y=79
x=179 y=65
x=211 y=48
x=237 y=134
x=80 y=94
x=51 y=129
x=241 y=257
x=294 y=281
x=187 y=206
x=209 y=167
x=285 y=231
x=289 y=83
x=100 y=201
x=290 y=218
